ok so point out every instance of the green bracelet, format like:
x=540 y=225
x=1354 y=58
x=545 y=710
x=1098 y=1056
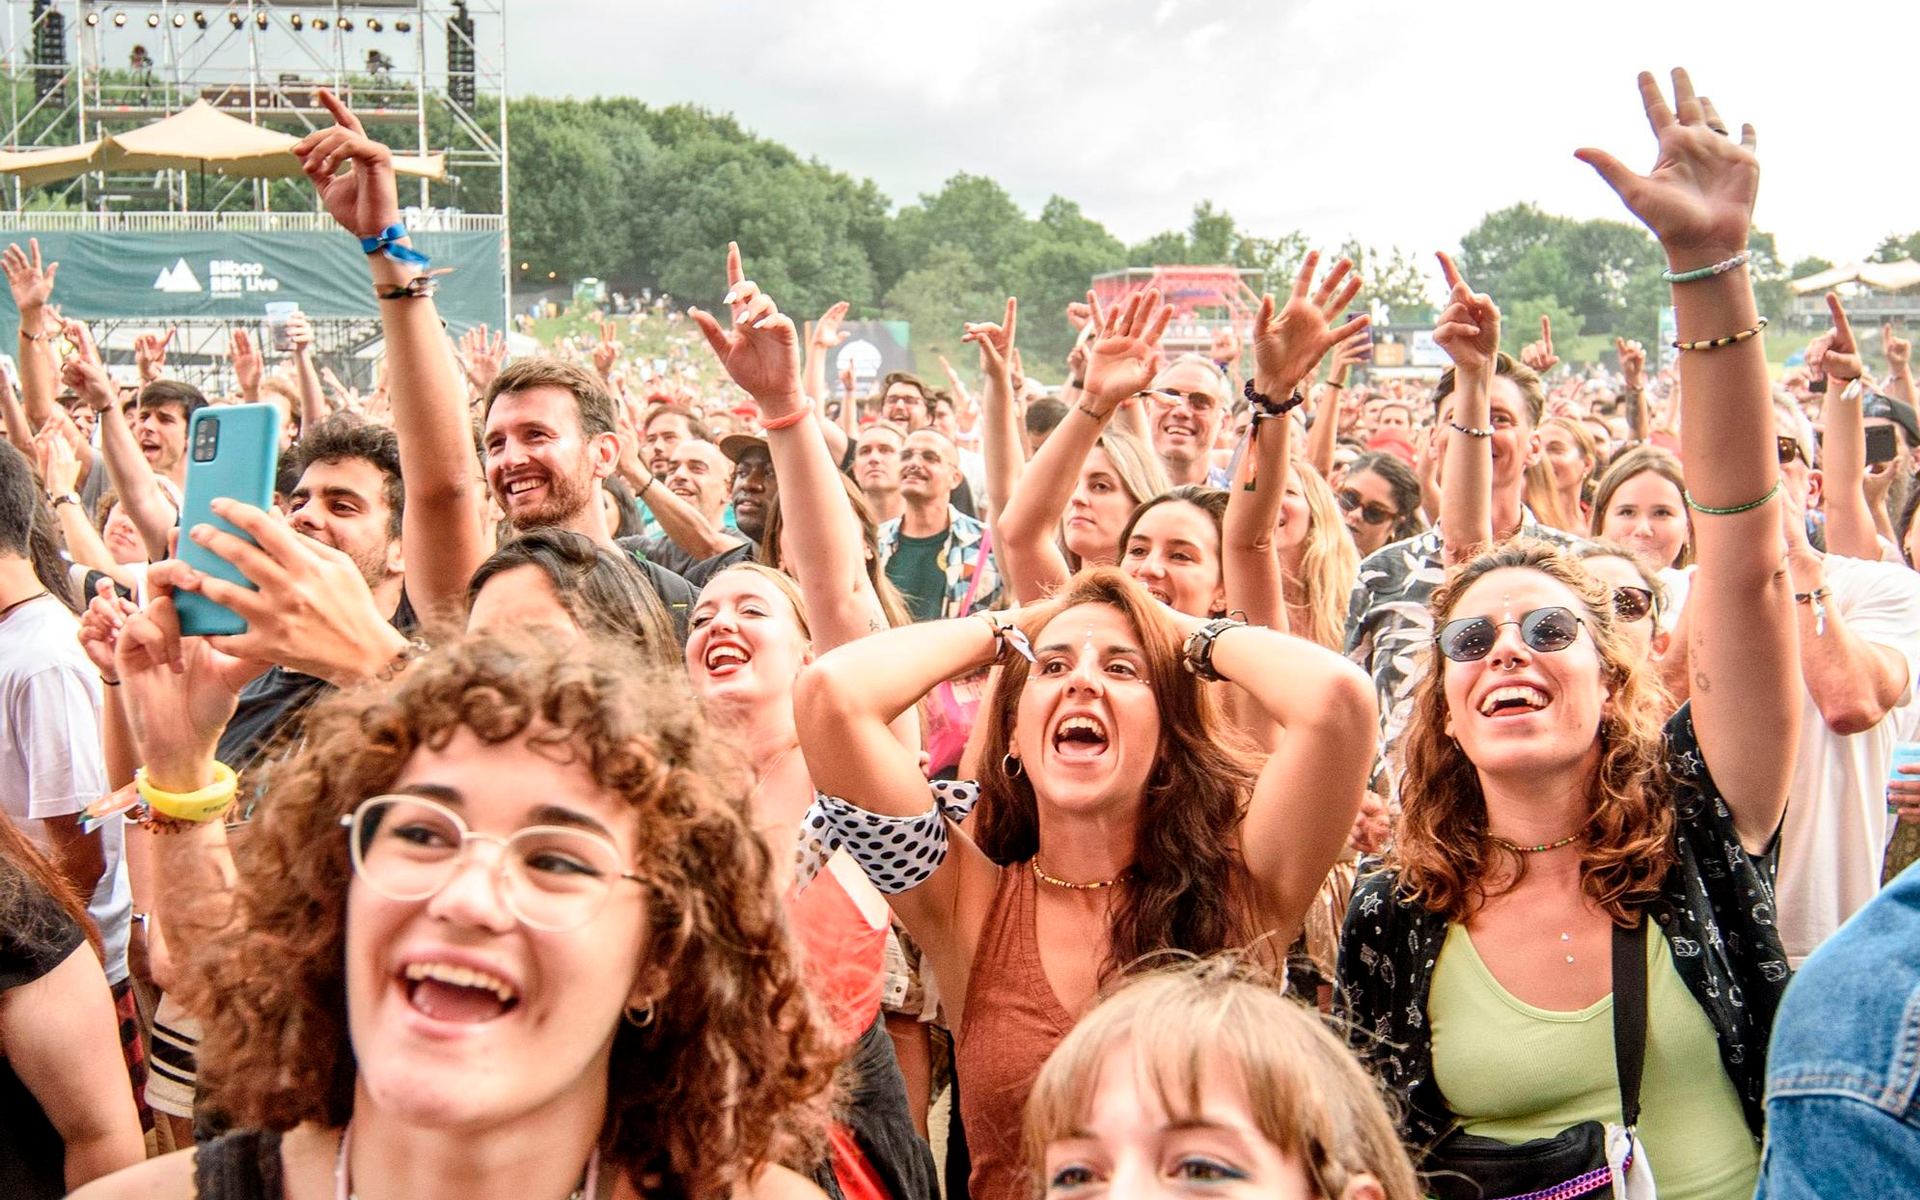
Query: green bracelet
x=1719 y=268
x=1711 y=511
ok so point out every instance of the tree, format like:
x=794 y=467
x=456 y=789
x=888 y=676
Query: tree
x=1393 y=279
x=1895 y=248
x=948 y=288
x=1808 y=266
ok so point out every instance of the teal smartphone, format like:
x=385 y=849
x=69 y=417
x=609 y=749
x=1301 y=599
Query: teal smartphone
x=233 y=451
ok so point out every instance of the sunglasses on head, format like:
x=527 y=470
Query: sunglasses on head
x=1371 y=511
x=1632 y=603
x=1788 y=449
x=1547 y=630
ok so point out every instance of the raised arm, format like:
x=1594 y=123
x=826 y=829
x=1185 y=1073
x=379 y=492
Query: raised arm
x=1469 y=331
x=1899 y=352
x=1633 y=388
x=1004 y=448
x=61 y=473
x=127 y=468
x=248 y=366
x=825 y=336
x=1309 y=792
x=761 y=354
x=32 y=286
x=313 y=397
x=1698 y=200
x=442 y=527
x=1120 y=364
x=1843 y=449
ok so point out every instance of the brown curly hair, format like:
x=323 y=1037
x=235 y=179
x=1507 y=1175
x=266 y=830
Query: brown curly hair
x=1442 y=849
x=733 y=1072
x=1189 y=889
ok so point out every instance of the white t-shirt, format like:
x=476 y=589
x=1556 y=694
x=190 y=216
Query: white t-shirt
x=1835 y=836
x=51 y=761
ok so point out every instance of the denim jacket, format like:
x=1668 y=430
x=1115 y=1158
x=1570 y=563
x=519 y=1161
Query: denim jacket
x=1843 y=1076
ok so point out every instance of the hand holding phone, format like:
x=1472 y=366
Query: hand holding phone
x=233 y=452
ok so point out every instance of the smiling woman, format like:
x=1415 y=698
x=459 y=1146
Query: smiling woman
x=605 y=991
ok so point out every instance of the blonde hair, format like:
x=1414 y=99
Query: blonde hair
x=1137 y=468
x=1542 y=496
x=1307 y=1094
x=1329 y=562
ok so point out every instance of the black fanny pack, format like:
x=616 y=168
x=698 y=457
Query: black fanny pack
x=1572 y=1164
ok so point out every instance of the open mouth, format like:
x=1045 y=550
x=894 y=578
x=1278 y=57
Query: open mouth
x=726 y=658
x=458 y=994
x=1082 y=737
x=1514 y=700
x=523 y=485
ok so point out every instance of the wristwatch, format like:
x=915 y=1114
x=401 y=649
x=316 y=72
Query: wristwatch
x=64 y=498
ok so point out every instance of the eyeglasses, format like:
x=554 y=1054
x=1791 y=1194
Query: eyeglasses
x=1632 y=603
x=1471 y=639
x=1371 y=511
x=549 y=876
x=1788 y=449
x=1200 y=402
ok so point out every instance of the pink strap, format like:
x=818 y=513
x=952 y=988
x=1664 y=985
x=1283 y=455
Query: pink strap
x=979 y=565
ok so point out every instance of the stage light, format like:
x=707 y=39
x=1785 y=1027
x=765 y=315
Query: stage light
x=119 y=20
x=403 y=26
x=374 y=25
x=296 y=20
x=179 y=20
x=320 y=24
x=523 y=266
x=260 y=20
x=346 y=24
x=235 y=19
x=199 y=19
x=153 y=20
x=93 y=18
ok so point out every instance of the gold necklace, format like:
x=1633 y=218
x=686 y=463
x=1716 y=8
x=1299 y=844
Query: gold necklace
x=1517 y=848
x=1043 y=877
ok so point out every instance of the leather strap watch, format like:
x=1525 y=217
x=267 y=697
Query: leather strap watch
x=64 y=498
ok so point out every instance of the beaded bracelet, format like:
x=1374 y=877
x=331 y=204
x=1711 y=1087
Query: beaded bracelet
x=1709 y=510
x=1721 y=342
x=1719 y=268
x=1469 y=431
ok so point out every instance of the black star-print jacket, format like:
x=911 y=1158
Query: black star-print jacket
x=1716 y=909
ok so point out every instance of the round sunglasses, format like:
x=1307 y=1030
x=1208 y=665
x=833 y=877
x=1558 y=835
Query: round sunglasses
x=1632 y=603
x=1470 y=639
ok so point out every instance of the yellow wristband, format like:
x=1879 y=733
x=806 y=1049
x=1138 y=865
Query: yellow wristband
x=199 y=806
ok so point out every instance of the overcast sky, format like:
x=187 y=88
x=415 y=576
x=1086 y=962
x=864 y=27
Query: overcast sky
x=1401 y=123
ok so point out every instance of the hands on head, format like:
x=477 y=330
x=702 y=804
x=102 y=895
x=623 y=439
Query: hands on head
x=1289 y=344
x=761 y=350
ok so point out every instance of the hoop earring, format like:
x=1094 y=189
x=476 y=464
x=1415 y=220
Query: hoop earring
x=641 y=1019
x=1161 y=778
x=1011 y=765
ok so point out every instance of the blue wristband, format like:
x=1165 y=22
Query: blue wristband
x=387 y=242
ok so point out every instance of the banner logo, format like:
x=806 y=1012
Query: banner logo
x=177 y=278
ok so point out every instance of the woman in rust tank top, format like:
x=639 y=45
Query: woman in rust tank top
x=1120 y=816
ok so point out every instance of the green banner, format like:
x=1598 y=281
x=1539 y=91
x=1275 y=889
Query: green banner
x=234 y=275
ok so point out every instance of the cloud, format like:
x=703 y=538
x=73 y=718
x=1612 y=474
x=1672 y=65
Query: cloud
x=1400 y=123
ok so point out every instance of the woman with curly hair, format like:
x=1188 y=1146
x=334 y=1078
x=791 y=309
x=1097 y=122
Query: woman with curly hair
x=1238 y=1088
x=600 y=1000
x=1554 y=822
x=1119 y=815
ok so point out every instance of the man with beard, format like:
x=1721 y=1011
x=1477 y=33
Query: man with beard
x=935 y=554
x=1186 y=405
x=549 y=439
x=876 y=468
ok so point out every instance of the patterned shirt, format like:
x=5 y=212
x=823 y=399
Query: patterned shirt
x=1715 y=907
x=957 y=560
x=1390 y=620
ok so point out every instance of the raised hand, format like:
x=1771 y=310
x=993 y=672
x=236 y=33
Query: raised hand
x=1469 y=326
x=1633 y=363
x=761 y=352
x=100 y=628
x=179 y=692
x=827 y=334
x=1287 y=346
x=365 y=200
x=483 y=356
x=1226 y=345
x=30 y=283
x=1079 y=313
x=1539 y=355
x=1698 y=198
x=1899 y=350
x=150 y=352
x=1125 y=353
x=247 y=364
x=299 y=333
x=996 y=343
x=607 y=352
x=59 y=468
x=84 y=372
x=1840 y=357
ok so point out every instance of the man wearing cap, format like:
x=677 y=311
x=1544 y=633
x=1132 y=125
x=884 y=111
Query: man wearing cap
x=751 y=489
x=934 y=553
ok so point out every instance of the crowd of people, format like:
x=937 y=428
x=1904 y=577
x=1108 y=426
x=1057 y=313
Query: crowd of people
x=1223 y=772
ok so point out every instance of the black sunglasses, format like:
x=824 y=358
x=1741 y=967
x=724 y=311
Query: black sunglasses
x=1547 y=630
x=1371 y=511
x=1632 y=603
x=1788 y=449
